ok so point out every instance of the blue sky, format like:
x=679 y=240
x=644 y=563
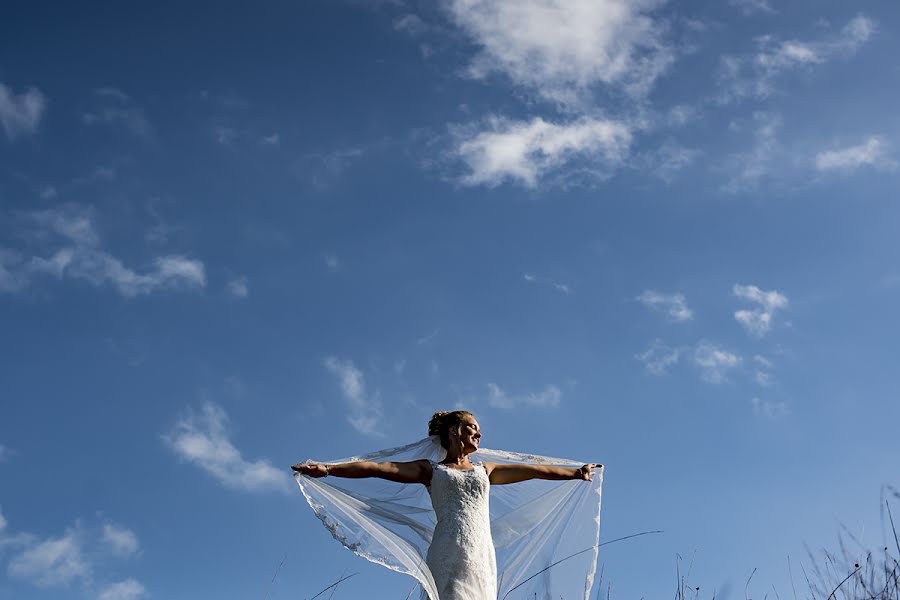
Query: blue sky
x=659 y=235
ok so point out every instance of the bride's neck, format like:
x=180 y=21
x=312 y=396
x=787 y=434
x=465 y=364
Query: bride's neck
x=456 y=456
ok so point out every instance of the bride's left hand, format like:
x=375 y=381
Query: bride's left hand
x=587 y=471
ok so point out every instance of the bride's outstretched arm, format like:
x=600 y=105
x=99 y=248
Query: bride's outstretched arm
x=501 y=473
x=417 y=471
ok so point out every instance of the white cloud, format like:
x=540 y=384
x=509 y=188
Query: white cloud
x=563 y=288
x=332 y=262
x=20 y=114
x=120 y=540
x=762 y=378
x=561 y=49
x=674 y=306
x=756 y=75
x=668 y=159
x=4 y=451
x=52 y=562
x=238 y=287
x=117 y=109
x=410 y=24
x=747 y=168
x=549 y=397
x=2 y=520
x=271 y=140
x=82 y=257
x=872 y=152
x=768 y=409
x=714 y=362
x=129 y=589
x=224 y=136
x=758 y=321
x=365 y=413
x=425 y=339
x=203 y=439
x=753 y=6
x=658 y=357
x=762 y=360
x=525 y=151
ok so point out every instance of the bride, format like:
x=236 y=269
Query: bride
x=460 y=558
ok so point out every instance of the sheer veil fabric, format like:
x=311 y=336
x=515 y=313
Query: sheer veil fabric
x=534 y=524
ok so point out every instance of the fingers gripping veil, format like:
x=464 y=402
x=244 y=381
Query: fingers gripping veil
x=534 y=524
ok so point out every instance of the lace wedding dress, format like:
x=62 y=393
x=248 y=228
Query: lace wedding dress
x=461 y=555
x=441 y=539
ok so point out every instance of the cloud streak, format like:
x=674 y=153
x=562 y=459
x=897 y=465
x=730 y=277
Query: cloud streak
x=54 y=561
x=674 y=306
x=562 y=288
x=756 y=75
x=561 y=49
x=873 y=153
x=658 y=358
x=549 y=397
x=758 y=321
x=714 y=362
x=365 y=413
x=79 y=255
x=128 y=589
x=203 y=439
x=20 y=114
x=500 y=150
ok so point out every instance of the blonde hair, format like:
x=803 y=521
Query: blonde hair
x=442 y=421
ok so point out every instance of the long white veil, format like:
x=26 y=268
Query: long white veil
x=546 y=533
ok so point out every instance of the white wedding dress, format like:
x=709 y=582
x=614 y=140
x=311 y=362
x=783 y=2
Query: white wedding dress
x=461 y=555
x=543 y=534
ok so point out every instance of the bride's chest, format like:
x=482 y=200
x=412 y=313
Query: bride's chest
x=452 y=485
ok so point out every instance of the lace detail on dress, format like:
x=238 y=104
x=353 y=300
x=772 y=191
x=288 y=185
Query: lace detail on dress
x=461 y=556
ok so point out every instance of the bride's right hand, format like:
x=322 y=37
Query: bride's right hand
x=312 y=470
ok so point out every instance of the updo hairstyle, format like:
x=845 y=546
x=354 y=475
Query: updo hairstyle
x=441 y=422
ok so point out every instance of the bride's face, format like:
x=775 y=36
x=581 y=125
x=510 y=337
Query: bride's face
x=469 y=434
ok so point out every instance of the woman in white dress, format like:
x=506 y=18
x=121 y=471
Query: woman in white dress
x=461 y=554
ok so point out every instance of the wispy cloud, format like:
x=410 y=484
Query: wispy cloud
x=20 y=114
x=758 y=321
x=561 y=49
x=324 y=169
x=238 y=286
x=769 y=409
x=365 y=413
x=53 y=561
x=549 y=397
x=756 y=75
x=562 y=288
x=79 y=255
x=749 y=7
x=873 y=152
x=4 y=451
x=411 y=24
x=128 y=589
x=203 y=439
x=659 y=357
x=714 y=362
x=121 y=541
x=333 y=263
x=745 y=169
x=115 y=108
x=71 y=558
x=524 y=152
x=674 y=306
x=425 y=339
x=667 y=160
